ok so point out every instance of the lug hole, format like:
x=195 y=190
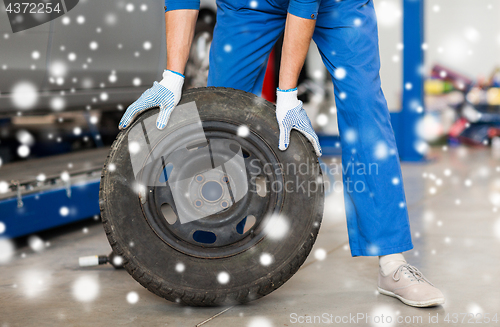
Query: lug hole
x=168 y=213
x=202 y=236
x=245 y=224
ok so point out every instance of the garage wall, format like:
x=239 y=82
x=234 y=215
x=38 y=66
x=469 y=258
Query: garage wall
x=464 y=35
x=461 y=34
x=389 y=16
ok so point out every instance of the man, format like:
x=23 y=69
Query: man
x=345 y=32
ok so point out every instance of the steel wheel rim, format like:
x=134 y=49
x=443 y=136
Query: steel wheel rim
x=181 y=236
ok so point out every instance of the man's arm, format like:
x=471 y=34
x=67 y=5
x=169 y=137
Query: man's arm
x=180 y=26
x=180 y=22
x=298 y=34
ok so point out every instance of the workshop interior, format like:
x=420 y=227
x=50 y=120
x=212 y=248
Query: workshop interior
x=194 y=223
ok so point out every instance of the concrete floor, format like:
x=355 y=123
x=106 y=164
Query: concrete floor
x=456 y=232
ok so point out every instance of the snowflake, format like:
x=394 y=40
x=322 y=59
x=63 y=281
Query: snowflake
x=277 y=227
x=389 y=13
x=266 y=259
x=382 y=311
x=132 y=297
x=474 y=309
x=117 y=260
x=112 y=78
x=64 y=211
x=134 y=147
x=243 y=131
x=340 y=73
x=421 y=147
x=223 y=277
x=36 y=243
x=86 y=289
x=320 y=254
x=180 y=267
x=23 y=151
x=6 y=250
x=65 y=176
x=381 y=150
x=260 y=322
x=110 y=19
x=471 y=34
x=58 y=69
x=34 y=282
x=322 y=120
x=24 y=95
x=25 y=137
x=350 y=135
x=57 y=103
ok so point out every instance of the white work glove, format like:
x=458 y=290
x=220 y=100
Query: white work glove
x=291 y=115
x=165 y=95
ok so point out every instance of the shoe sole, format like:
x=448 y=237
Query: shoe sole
x=419 y=304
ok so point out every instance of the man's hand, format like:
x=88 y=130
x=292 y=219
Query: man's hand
x=165 y=95
x=291 y=115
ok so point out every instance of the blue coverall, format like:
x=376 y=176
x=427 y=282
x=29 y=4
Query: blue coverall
x=347 y=39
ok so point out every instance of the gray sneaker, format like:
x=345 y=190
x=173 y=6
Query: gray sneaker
x=409 y=285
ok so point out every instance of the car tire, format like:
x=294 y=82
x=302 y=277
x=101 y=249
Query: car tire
x=259 y=262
